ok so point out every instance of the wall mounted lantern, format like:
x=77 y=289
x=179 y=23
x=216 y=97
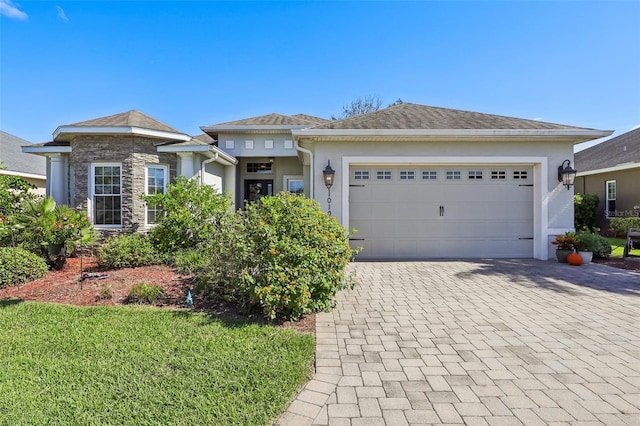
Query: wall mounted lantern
x=328 y=173
x=566 y=175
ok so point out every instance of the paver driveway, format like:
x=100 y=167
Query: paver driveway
x=477 y=342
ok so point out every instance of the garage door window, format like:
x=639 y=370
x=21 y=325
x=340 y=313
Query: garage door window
x=520 y=174
x=453 y=174
x=498 y=174
x=475 y=174
x=383 y=175
x=407 y=175
x=429 y=175
x=361 y=175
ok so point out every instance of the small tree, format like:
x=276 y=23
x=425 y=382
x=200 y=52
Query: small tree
x=585 y=207
x=359 y=106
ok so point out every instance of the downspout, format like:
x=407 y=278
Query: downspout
x=311 y=177
x=202 y=166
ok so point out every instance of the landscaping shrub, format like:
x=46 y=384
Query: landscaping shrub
x=191 y=213
x=283 y=255
x=144 y=293
x=619 y=225
x=127 y=251
x=20 y=266
x=585 y=207
x=602 y=247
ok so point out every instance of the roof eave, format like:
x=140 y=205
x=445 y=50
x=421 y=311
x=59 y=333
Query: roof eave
x=279 y=128
x=616 y=168
x=44 y=150
x=22 y=174
x=206 y=150
x=62 y=132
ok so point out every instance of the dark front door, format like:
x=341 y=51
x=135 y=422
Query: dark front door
x=256 y=189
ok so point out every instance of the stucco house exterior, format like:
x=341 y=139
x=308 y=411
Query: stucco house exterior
x=415 y=181
x=611 y=170
x=17 y=163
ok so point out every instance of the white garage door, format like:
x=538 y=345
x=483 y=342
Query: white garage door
x=415 y=212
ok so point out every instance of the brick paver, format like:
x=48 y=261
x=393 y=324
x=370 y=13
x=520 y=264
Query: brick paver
x=477 y=342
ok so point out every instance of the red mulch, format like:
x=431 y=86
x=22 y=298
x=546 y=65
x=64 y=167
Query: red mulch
x=66 y=286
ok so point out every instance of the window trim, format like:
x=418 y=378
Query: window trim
x=292 y=178
x=92 y=195
x=165 y=169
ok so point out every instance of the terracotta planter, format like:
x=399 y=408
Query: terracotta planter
x=561 y=255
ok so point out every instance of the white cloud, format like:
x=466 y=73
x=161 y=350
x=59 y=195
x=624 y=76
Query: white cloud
x=10 y=10
x=61 y=14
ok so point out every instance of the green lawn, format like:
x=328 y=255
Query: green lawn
x=143 y=365
x=617 y=247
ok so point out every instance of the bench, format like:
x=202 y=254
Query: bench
x=633 y=241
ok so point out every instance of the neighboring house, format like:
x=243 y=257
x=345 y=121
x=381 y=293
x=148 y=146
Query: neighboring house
x=17 y=163
x=611 y=170
x=415 y=181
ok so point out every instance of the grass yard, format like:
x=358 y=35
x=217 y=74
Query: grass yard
x=141 y=365
x=617 y=247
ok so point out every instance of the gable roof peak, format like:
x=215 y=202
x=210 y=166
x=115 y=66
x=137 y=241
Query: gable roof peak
x=131 y=118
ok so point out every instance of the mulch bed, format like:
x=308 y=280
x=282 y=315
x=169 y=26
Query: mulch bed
x=631 y=263
x=81 y=283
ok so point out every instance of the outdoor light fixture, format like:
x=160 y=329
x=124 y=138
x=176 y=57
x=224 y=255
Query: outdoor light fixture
x=328 y=174
x=566 y=175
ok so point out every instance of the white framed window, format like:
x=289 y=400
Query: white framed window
x=268 y=144
x=106 y=194
x=407 y=175
x=294 y=184
x=361 y=174
x=453 y=174
x=429 y=175
x=475 y=175
x=611 y=198
x=383 y=175
x=156 y=178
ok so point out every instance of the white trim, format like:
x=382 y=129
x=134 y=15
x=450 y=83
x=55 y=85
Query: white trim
x=91 y=194
x=288 y=144
x=165 y=168
x=268 y=144
x=619 y=167
x=229 y=144
x=46 y=149
x=118 y=130
x=248 y=144
x=22 y=175
x=540 y=186
x=205 y=149
x=570 y=133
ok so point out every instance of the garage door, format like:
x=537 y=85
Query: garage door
x=416 y=212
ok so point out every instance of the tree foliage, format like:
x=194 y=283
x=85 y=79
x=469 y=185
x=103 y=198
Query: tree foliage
x=359 y=106
x=585 y=207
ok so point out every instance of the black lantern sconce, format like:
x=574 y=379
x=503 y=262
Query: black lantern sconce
x=566 y=175
x=328 y=173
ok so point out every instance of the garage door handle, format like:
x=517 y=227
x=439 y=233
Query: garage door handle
x=441 y=211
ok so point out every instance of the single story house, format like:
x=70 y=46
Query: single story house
x=611 y=170
x=14 y=162
x=415 y=181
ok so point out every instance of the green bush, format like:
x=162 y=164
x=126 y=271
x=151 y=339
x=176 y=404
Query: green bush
x=283 y=255
x=585 y=207
x=127 y=251
x=144 y=293
x=619 y=225
x=602 y=248
x=192 y=212
x=20 y=266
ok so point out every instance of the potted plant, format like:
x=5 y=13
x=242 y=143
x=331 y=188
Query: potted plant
x=566 y=244
x=587 y=244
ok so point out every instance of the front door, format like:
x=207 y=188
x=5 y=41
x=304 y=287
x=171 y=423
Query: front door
x=256 y=189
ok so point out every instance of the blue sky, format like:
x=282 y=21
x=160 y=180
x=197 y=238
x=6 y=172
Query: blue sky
x=197 y=63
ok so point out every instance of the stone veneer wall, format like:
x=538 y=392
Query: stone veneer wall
x=134 y=152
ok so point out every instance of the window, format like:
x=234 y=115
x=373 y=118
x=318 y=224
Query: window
x=520 y=174
x=157 y=176
x=611 y=199
x=429 y=175
x=106 y=190
x=248 y=144
x=268 y=144
x=453 y=175
x=361 y=175
x=407 y=175
x=475 y=175
x=259 y=167
x=229 y=144
x=498 y=175
x=295 y=186
x=383 y=175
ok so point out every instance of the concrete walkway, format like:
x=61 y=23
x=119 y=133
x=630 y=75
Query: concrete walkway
x=496 y=342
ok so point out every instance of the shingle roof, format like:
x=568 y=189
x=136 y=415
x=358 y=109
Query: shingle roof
x=131 y=118
x=17 y=161
x=610 y=153
x=413 y=116
x=274 y=120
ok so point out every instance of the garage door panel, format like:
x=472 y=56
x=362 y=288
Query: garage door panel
x=444 y=218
